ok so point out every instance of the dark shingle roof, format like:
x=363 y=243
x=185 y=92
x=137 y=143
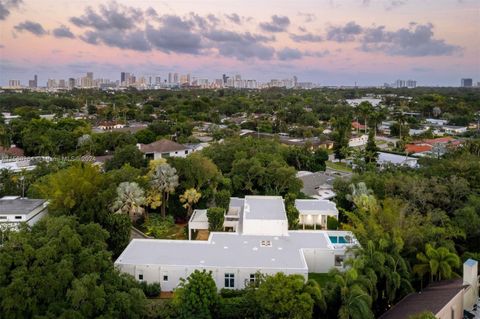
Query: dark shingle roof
x=432 y=299
x=162 y=146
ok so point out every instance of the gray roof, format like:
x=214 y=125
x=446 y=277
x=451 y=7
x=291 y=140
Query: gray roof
x=264 y=207
x=316 y=206
x=17 y=205
x=313 y=181
x=388 y=158
x=227 y=250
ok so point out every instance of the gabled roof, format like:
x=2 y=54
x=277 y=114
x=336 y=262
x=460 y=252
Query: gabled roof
x=162 y=146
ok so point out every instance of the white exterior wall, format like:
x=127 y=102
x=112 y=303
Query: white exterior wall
x=321 y=260
x=454 y=306
x=10 y=220
x=155 y=273
x=266 y=227
x=157 y=156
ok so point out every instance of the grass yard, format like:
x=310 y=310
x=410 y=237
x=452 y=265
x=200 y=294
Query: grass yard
x=338 y=166
x=322 y=279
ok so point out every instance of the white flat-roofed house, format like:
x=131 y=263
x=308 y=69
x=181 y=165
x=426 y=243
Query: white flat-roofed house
x=454 y=130
x=235 y=257
x=314 y=212
x=15 y=209
x=164 y=149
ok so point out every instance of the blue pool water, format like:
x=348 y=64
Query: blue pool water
x=338 y=240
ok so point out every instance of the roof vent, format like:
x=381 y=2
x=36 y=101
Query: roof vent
x=225 y=247
x=255 y=248
x=265 y=243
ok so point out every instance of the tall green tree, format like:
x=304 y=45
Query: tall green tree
x=61 y=268
x=196 y=296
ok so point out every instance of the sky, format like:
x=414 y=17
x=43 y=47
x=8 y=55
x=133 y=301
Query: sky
x=329 y=42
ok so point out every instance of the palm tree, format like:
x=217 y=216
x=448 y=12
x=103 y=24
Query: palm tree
x=189 y=198
x=356 y=302
x=365 y=109
x=130 y=198
x=164 y=181
x=439 y=263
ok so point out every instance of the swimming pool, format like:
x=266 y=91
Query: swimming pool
x=338 y=240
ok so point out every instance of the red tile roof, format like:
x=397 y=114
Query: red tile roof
x=357 y=125
x=417 y=148
x=11 y=151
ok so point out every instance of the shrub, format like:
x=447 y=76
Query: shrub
x=151 y=290
x=332 y=223
x=159 y=227
x=215 y=218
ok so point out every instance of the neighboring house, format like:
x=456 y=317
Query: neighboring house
x=110 y=125
x=454 y=130
x=436 y=122
x=314 y=212
x=8 y=117
x=357 y=126
x=261 y=243
x=448 y=299
x=358 y=141
x=15 y=209
x=435 y=146
x=395 y=159
x=12 y=151
x=164 y=149
x=319 y=185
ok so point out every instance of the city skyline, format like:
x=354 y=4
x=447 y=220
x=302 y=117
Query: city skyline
x=326 y=42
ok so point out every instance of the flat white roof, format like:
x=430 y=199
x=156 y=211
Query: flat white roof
x=264 y=207
x=316 y=206
x=228 y=250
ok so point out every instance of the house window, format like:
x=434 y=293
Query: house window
x=452 y=313
x=229 y=280
x=186 y=152
x=339 y=260
x=253 y=279
x=165 y=276
x=18 y=217
x=3 y=217
x=165 y=155
x=140 y=276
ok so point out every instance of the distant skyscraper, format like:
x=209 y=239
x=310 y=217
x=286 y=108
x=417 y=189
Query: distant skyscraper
x=225 y=78
x=400 y=84
x=411 y=84
x=158 y=80
x=170 y=78
x=71 y=83
x=467 y=83
x=14 y=83
x=175 y=78
x=123 y=77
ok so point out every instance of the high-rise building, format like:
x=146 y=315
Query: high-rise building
x=411 y=84
x=170 y=78
x=175 y=78
x=123 y=77
x=61 y=84
x=467 y=83
x=51 y=83
x=158 y=80
x=71 y=83
x=33 y=83
x=14 y=83
x=400 y=84
x=224 y=78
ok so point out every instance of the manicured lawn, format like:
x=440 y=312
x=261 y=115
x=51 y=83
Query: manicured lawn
x=338 y=166
x=322 y=279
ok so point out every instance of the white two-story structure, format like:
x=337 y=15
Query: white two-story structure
x=261 y=243
x=15 y=209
